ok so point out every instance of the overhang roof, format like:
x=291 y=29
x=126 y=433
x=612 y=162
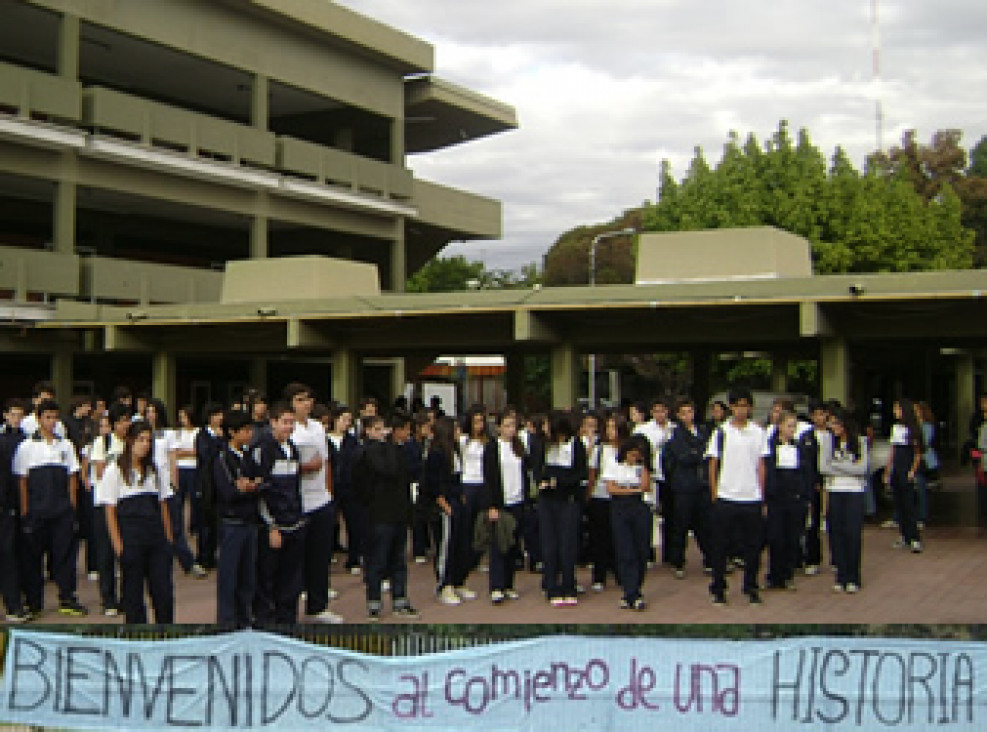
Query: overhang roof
x=439 y=113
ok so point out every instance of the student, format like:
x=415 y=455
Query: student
x=658 y=430
x=48 y=472
x=598 y=506
x=317 y=502
x=106 y=449
x=274 y=460
x=560 y=494
x=208 y=444
x=182 y=462
x=442 y=482
x=505 y=479
x=11 y=544
x=818 y=440
x=736 y=475
x=381 y=476
x=42 y=391
x=589 y=429
x=134 y=495
x=472 y=443
x=904 y=462
x=687 y=477
x=236 y=497
x=344 y=449
x=628 y=480
x=929 y=468
x=844 y=470
x=788 y=484
x=422 y=540
x=533 y=436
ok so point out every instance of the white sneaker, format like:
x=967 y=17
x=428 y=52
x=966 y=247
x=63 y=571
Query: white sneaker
x=597 y=587
x=198 y=571
x=511 y=594
x=448 y=596
x=385 y=585
x=355 y=571
x=420 y=560
x=496 y=597
x=916 y=547
x=852 y=588
x=92 y=576
x=327 y=617
x=811 y=570
x=465 y=593
x=333 y=593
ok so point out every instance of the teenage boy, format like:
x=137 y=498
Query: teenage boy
x=687 y=480
x=658 y=430
x=813 y=441
x=281 y=544
x=48 y=472
x=208 y=444
x=107 y=449
x=43 y=391
x=11 y=550
x=381 y=480
x=236 y=496
x=736 y=476
x=320 y=513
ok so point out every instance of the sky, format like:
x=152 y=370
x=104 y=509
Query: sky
x=606 y=89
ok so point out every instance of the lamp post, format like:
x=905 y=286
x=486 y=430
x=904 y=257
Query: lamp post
x=592 y=283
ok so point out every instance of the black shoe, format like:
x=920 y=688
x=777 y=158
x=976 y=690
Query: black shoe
x=754 y=597
x=719 y=598
x=407 y=612
x=72 y=607
x=373 y=615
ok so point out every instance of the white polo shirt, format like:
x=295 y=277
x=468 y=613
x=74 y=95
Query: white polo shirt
x=311 y=441
x=101 y=454
x=743 y=449
x=113 y=489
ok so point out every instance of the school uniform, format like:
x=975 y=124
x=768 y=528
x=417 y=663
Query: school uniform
x=845 y=479
x=559 y=508
x=11 y=549
x=631 y=520
x=105 y=450
x=687 y=479
x=147 y=556
x=184 y=439
x=319 y=512
x=661 y=499
x=236 y=575
x=423 y=517
x=453 y=554
x=208 y=445
x=815 y=441
x=472 y=453
x=280 y=571
x=534 y=446
x=903 y=449
x=737 y=509
x=344 y=452
x=381 y=477
x=79 y=431
x=505 y=478
x=601 y=543
x=48 y=520
x=789 y=477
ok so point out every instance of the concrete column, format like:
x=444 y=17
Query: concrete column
x=164 y=380
x=399 y=378
x=397 y=141
x=62 y=376
x=514 y=380
x=346 y=367
x=260 y=102
x=966 y=397
x=258 y=237
x=701 y=362
x=258 y=373
x=63 y=217
x=399 y=265
x=834 y=369
x=342 y=139
x=565 y=376
x=68 y=47
x=779 y=373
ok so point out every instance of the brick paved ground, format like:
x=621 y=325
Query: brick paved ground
x=945 y=584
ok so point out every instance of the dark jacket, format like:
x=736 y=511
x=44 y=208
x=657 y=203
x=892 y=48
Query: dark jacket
x=380 y=478
x=493 y=481
x=280 y=488
x=233 y=504
x=10 y=495
x=789 y=483
x=438 y=479
x=683 y=462
x=570 y=480
x=342 y=459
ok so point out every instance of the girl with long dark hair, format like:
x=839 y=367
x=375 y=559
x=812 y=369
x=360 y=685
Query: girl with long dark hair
x=844 y=471
x=907 y=446
x=443 y=483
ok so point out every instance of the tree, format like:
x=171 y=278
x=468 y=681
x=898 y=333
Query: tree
x=452 y=274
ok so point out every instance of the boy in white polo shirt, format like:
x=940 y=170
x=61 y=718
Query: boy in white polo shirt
x=736 y=474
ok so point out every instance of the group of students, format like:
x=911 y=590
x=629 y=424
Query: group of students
x=265 y=482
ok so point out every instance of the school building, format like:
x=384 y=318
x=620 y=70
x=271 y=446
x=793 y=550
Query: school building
x=205 y=195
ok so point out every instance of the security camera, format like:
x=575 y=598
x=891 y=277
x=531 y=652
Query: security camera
x=856 y=289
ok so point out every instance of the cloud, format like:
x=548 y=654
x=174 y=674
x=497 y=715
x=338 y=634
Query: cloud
x=605 y=90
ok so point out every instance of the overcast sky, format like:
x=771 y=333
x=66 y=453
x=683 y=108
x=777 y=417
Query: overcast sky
x=604 y=89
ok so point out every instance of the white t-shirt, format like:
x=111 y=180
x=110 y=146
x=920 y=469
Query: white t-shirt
x=163 y=442
x=311 y=441
x=899 y=434
x=183 y=439
x=624 y=475
x=112 y=488
x=510 y=474
x=657 y=435
x=603 y=459
x=33 y=454
x=743 y=449
x=472 y=451
x=29 y=425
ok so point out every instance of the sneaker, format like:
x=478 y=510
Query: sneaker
x=921 y=525
x=385 y=585
x=333 y=593
x=889 y=524
x=511 y=594
x=465 y=593
x=852 y=588
x=640 y=604
x=539 y=567
x=72 y=607
x=916 y=547
x=355 y=571
x=898 y=543
x=197 y=571
x=420 y=560
x=678 y=573
x=111 y=611
x=707 y=569
x=18 y=616
x=597 y=587
x=580 y=590
x=624 y=604
x=327 y=617
x=373 y=615
x=93 y=576
x=569 y=601
x=496 y=597
x=837 y=587
x=754 y=597
x=557 y=602
x=485 y=568
x=407 y=612
x=448 y=596
x=719 y=599
x=790 y=586
x=811 y=570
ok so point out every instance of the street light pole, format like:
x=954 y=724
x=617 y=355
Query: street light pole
x=592 y=283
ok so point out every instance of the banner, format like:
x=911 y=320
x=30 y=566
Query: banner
x=252 y=680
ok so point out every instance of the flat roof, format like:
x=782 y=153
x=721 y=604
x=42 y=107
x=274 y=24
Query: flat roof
x=439 y=113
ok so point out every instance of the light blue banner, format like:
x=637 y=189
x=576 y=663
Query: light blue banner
x=253 y=680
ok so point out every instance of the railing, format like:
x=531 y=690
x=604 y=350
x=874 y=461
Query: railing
x=337 y=167
x=105 y=278
x=32 y=270
x=36 y=92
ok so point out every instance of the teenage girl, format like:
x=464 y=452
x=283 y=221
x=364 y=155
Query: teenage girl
x=904 y=462
x=471 y=445
x=344 y=448
x=134 y=494
x=443 y=483
x=560 y=487
x=505 y=475
x=930 y=461
x=183 y=459
x=628 y=482
x=788 y=486
x=601 y=551
x=844 y=470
